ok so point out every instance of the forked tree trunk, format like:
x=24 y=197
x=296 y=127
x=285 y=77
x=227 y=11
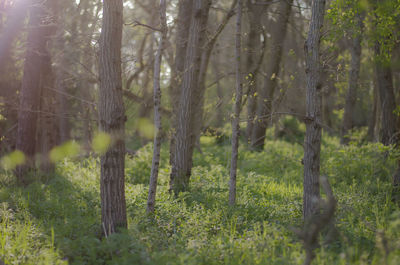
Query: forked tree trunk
x=312 y=143
x=30 y=90
x=237 y=108
x=157 y=117
x=112 y=119
x=181 y=169
x=264 y=104
x=351 y=96
x=198 y=96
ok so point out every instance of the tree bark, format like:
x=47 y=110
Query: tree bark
x=255 y=13
x=198 y=96
x=387 y=99
x=237 y=108
x=157 y=117
x=181 y=169
x=48 y=121
x=312 y=143
x=30 y=90
x=351 y=96
x=112 y=119
x=182 y=35
x=264 y=104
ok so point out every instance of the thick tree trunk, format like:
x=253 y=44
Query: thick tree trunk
x=157 y=117
x=351 y=97
x=48 y=119
x=30 y=90
x=255 y=13
x=112 y=119
x=237 y=108
x=48 y=124
x=312 y=143
x=181 y=169
x=182 y=35
x=387 y=99
x=264 y=104
x=198 y=96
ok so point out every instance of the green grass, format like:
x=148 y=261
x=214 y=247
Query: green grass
x=56 y=220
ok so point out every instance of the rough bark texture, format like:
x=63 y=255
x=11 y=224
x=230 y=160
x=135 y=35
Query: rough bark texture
x=264 y=104
x=182 y=35
x=112 y=119
x=255 y=13
x=237 y=107
x=387 y=99
x=351 y=96
x=157 y=117
x=181 y=168
x=30 y=90
x=312 y=143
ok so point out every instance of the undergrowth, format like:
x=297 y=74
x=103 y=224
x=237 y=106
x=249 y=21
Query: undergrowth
x=57 y=220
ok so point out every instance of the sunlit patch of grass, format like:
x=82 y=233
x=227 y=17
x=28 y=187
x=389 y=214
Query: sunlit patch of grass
x=59 y=221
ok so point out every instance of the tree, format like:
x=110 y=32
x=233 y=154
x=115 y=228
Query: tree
x=182 y=35
x=29 y=105
x=255 y=12
x=112 y=119
x=264 y=104
x=353 y=83
x=157 y=117
x=182 y=162
x=312 y=142
x=237 y=107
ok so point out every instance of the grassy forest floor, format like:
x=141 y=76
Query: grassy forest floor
x=57 y=220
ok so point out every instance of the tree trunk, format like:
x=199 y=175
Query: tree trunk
x=30 y=90
x=220 y=115
x=351 y=97
x=181 y=169
x=157 y=117
x=182 y=35
x=255 y=13
x=374 y=114
x=264 y=104
x=312 y=143
x=387 y=99
x=112 y=119
x=198 y=96
x=61 y=87
x=237 y=108
x=48 y=124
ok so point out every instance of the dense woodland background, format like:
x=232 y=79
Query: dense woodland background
x=199 y=132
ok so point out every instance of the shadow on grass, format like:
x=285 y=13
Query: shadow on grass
x=69 y=213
